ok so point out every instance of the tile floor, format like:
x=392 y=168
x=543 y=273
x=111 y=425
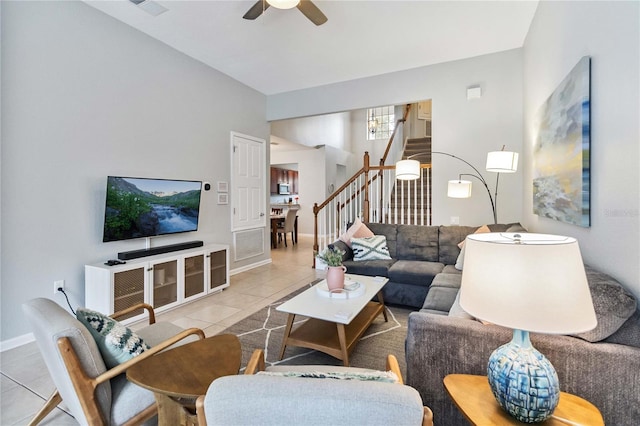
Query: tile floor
x=25 y=382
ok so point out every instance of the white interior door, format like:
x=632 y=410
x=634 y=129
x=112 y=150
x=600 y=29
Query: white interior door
x=247 y=182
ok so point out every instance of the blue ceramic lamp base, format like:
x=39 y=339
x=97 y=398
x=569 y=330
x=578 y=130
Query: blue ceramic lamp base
x=523 y=380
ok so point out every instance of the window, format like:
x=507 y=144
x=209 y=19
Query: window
x=380 y=122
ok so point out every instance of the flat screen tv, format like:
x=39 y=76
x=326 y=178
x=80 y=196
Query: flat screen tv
x=142 y=207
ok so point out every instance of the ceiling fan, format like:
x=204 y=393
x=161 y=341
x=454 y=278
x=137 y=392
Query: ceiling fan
x=307 y=8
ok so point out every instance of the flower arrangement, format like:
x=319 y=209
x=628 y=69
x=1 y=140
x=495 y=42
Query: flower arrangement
x=332 y=256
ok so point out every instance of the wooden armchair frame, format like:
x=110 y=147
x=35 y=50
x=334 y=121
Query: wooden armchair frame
x=85 y=386
x=256 y=363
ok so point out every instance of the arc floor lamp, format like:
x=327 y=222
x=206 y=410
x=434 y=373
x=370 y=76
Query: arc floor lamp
x=497 y=162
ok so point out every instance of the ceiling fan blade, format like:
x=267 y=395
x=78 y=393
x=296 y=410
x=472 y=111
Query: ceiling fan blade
x=256 y=10
x=312 y=12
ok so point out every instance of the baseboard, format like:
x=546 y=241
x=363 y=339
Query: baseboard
x=6 y=345
x=249 y=267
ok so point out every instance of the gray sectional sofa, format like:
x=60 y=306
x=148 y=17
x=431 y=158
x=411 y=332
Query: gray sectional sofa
x=418 y=255
x=602 y=366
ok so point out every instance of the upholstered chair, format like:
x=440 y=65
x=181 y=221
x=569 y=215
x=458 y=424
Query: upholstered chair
x=94 y=394
x=286 y=395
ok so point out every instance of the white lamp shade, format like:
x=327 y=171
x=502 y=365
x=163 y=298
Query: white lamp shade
x=537 y=285
x=502 y=162
x=459 y=189
x=283 y=4
x=408 y=169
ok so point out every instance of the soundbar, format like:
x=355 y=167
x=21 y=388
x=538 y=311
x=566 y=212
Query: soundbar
x=135 y=254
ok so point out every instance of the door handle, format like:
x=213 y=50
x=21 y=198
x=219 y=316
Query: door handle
x=261 y=214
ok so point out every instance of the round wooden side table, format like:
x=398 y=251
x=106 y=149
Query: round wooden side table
x=179 y=375
x=473 y=396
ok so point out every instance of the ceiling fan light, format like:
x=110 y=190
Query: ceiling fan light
x=283 y=4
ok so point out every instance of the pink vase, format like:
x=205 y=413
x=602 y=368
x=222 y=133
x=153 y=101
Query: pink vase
x=335 y=277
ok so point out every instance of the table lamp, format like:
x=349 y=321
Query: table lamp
x=530 y=283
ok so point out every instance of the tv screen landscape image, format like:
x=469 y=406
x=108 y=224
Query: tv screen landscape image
x=142 y=207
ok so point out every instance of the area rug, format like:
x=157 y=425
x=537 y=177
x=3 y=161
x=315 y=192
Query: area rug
x=265 y=329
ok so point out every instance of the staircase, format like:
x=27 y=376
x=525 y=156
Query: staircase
x=374 y=195
x=411 y=200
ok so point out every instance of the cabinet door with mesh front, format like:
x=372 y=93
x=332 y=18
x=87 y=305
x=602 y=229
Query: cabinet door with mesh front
x=194 y=276
x=218 y=269
x=128 y=290
x=164 y=283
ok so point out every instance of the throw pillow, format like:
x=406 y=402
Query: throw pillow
x=116 y=342
x=516 y=228
x=460 y=261
x=356 y=230
x=457 y=311
x=374 y=376
x=370 y=248
x=482 y=230
x=612 y=302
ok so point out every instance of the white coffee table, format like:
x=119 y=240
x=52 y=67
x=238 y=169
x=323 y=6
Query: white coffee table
x=335 y=324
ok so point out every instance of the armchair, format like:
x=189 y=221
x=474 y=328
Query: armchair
x=275 y=400
x=94 y=394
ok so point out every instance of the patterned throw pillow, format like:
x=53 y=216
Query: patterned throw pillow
x=116 y=342
x=356 y=230
x=371 y=376
x=370 y=248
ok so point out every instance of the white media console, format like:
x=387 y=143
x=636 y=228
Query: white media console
x=164 y=281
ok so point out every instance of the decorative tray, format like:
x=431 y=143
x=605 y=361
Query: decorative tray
x=351 y=289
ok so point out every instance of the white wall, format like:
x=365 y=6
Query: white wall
x=608 y=32
x=468 y=129
x=331 y=130
x=311 y=178
x=85 y=96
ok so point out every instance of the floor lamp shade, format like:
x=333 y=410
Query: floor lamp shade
x=408 y=169
x=502 y=162
x=459 y=189
x=530 y=283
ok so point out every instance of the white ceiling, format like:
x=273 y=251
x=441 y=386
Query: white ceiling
x=283 y=51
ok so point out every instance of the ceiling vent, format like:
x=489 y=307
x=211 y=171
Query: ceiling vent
x=151 y=7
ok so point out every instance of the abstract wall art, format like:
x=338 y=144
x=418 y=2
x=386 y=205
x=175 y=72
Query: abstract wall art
x=561 y=175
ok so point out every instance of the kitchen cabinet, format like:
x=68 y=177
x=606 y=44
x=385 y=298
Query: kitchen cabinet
x=279 y=175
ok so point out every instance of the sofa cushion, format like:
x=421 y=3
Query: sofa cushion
x=417 y=242
x=442 y=293
x=414 y=272
x=356 y=230
x=370 y=248
x=448 y=239
x=612 y=302
x=370 y=268
x=451 y=269
x=450 y=236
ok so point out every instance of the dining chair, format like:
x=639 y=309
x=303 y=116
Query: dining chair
x=288 y=226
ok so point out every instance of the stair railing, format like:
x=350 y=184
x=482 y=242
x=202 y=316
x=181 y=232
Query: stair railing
x=396 y=202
